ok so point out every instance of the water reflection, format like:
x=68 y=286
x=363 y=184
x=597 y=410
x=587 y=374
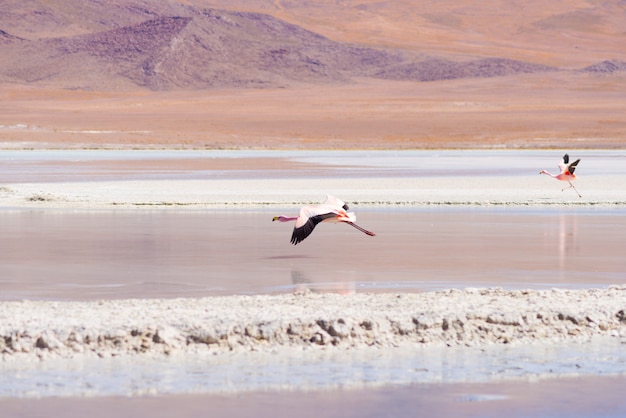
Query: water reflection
x=119 y=254
x=301 y=283
x=567 y=239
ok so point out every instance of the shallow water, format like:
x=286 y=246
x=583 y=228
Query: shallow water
x=18 y=166
x=75 y=254
x=81 y=254
x=312 y=369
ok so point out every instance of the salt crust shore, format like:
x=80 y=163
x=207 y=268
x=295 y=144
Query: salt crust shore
x=285 y=184
x=40 y=330
x=597 y=191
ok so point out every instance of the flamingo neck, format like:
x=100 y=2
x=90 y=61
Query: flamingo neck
x=548 y=173
x=282 y=218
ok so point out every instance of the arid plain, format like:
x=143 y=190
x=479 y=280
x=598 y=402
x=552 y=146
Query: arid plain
x=576 y=101
x=565 y=111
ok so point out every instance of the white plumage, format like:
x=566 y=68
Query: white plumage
x=332 y=210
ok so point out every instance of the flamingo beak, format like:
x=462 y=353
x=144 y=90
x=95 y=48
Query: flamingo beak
x=275 y=218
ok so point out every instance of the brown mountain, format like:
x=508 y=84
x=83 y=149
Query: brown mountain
x=608 y=66
x=186 y=47
x=305 y=74
x=200 y=49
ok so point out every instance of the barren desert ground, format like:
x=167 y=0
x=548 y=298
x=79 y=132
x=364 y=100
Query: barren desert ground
x=536 y=111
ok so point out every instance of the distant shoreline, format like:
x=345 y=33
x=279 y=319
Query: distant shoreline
x=157 y=180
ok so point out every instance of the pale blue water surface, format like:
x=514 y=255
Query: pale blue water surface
x=78 y=254
x=97 y=254
x=18 y=166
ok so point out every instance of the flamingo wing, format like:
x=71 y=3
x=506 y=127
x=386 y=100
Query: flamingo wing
x=305 y=225
x=563 y=163
x=333 y=201
x=572 y=166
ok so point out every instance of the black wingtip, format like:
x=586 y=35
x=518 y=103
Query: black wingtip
x=566 y=158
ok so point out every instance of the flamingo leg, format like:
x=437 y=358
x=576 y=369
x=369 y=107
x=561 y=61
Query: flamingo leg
x=371 y=234
x=577 y=192
x=571 y=186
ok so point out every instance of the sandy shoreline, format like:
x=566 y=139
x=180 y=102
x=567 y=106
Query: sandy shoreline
x=39 y=330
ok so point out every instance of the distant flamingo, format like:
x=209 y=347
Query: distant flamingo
x=566 y=174
x=332 y=210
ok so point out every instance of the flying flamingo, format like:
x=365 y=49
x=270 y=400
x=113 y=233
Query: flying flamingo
x=566 y=174
x=332 y=210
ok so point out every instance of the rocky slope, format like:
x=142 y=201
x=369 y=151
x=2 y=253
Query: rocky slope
x=128 y=44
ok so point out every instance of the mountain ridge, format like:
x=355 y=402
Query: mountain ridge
x=179 y=47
